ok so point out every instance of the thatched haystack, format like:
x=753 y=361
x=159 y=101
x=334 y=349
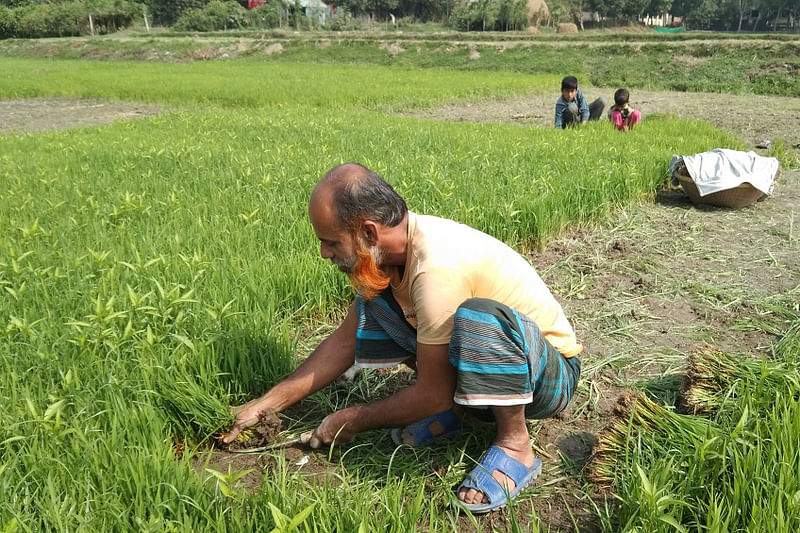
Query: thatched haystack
x=567 y=27
x=538 y=12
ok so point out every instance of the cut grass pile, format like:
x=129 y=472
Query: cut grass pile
x=734 y=471
x=156 y=272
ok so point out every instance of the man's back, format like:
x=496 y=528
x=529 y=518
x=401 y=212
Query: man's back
x=448 y=262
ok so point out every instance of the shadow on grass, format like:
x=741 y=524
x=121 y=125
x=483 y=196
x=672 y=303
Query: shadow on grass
x=673 y=198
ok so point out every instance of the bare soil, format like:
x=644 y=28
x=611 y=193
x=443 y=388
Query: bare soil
x=643 y=291
x=754 y=118
x=267 y=431
x=52 y=114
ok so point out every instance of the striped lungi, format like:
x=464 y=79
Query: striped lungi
x=500 y=355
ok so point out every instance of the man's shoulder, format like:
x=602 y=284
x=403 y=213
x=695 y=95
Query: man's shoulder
x=433 y=224
x=445 y=235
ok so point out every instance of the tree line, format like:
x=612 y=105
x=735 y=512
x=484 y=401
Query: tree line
x=47 y=18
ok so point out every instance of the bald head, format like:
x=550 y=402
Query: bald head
x=351 y=193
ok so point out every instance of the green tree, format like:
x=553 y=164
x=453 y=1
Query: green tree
x=575 y=9
x=377 y=9
x=166 y=12
x=697 y=14
x=425 y=10
x=486 y=13
x=512 y=15
x=659 y=7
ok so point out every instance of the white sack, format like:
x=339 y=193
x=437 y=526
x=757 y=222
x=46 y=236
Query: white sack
x=721 y=169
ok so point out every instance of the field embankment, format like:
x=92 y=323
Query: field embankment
x=706 y=62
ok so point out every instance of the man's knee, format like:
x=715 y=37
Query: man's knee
x=572 y=114
x=596 y=108
x=483 y=305
x=554 y=394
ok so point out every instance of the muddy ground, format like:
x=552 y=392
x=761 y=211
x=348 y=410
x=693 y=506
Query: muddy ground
x=643 y=291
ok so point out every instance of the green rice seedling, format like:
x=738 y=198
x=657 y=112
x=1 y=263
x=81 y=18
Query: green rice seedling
x=253 y=84
x=639 y=416
x=227 y=484
x=735 y=472
x=159 y=271
x=715 y=378
x=785 y=154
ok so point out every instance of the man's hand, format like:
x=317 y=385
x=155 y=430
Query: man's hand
x=247 y=415
x=336 y=426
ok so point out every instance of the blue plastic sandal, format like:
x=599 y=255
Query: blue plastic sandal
x=421 y=431
x=481 y=480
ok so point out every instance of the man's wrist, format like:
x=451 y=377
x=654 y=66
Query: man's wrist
x=353 y=418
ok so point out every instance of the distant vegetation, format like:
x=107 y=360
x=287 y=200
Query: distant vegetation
x=710 y=62
x=38 y=18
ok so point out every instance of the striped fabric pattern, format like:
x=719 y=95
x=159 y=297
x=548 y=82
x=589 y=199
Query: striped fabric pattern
x=383 y=337
x=502 y=358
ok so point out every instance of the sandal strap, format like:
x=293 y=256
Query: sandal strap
x=421 y=429
x=481 y=479
x=496 y=459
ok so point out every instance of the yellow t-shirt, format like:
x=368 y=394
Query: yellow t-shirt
x=448 y=262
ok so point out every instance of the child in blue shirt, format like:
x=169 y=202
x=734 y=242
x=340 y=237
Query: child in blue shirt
x=571 y=106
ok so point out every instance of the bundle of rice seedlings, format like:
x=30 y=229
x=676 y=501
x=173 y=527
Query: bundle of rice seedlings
x=639 y=418
x=788 y=348
x=715 y=378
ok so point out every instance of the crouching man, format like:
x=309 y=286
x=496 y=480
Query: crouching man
x=469 y=313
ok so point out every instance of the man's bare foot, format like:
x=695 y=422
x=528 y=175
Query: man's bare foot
x=519 y=451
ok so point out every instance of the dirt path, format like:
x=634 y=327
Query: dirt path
x=51 y=114
x=642 y=293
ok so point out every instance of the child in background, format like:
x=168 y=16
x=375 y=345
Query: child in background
x=572 y=108
x=622 y=114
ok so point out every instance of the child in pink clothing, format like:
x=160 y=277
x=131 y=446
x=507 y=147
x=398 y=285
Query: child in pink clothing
x=622 y=114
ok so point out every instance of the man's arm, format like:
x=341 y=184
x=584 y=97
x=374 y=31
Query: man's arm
x=560 y=107
x=332 y=357
x=432 y=393
x=583 y=106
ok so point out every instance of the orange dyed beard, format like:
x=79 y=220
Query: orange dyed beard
x=366 y=275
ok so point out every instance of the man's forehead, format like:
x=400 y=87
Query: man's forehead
x=323 y=215
x=320 y=204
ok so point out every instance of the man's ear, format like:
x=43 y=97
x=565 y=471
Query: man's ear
x=369 y=232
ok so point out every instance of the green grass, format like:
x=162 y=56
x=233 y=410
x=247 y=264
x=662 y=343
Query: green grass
x=155 y=272
x=250 y=84
x=730 y=63
x=734 y=472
